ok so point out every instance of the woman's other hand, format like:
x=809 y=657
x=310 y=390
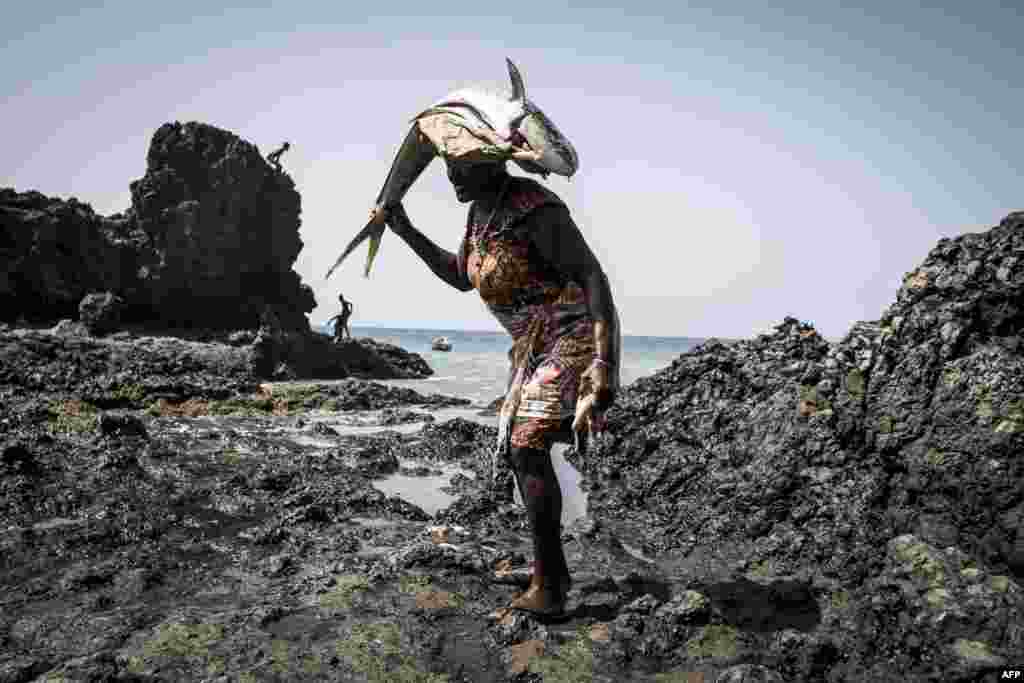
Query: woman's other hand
x=590 y=410
x=601 y=385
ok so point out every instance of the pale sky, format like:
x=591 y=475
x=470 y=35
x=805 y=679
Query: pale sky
x=738 y=163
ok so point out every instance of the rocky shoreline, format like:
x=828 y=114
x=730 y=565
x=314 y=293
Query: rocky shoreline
x=779 y=509
x=764 y=510
x=211 y=221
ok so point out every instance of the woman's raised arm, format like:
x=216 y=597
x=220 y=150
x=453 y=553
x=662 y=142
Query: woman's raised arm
x=444 y=264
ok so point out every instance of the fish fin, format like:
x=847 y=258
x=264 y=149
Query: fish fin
x=375 y=241
x=356 y=241
x=518 y=87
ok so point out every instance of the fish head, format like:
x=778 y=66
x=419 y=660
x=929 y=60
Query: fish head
x=555 y=153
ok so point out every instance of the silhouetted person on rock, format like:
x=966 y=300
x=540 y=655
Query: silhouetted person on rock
x=275 y=156
x=341 y=320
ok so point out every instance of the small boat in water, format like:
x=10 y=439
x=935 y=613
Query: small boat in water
x=441 y=344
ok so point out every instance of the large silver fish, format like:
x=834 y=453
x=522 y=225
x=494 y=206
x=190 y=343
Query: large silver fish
x=514 y=121
x=509 y=123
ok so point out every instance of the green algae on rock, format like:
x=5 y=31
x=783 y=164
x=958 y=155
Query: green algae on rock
x=182 y=646
x=572 y=662
x=375 y=651
x=344 y=591
x=976 y=654
x=918 y=559
x=72 y=417
x=713 y=640
x=183 y=640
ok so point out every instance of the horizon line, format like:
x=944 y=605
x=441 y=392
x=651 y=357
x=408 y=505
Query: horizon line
x=393 y=326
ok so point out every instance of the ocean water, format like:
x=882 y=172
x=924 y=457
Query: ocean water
x=477 y=366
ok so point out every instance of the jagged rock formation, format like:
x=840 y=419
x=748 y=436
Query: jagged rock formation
x=887 y=469
x=224 y=226
x=207 y=246
x=54 y=252
x=211 y=222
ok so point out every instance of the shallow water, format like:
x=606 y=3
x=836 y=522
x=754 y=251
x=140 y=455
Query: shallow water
x=424 y=492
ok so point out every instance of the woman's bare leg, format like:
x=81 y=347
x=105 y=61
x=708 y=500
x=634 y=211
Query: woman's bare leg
x=542 y=496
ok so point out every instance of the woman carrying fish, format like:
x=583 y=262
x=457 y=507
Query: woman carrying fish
x=533 y=269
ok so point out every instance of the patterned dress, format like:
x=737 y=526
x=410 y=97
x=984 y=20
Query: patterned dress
x=543 y=310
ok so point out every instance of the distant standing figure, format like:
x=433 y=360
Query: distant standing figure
x=275 y=156
x=341 y=320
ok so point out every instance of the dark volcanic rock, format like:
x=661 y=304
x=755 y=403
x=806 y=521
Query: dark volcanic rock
x=210 y=221
x=456 y=440
x=353 y=394
x=781 y=508
x=311 y=355
x=372 y=458
x=887 y=466
x=242 y=338
x=207 y=247
x=394 y=416
x=224 y=227
x=321 y=429
x=371 y=358
x=17 y=458
x=115 y=372
x=55 y=252
x=70 y=328
x=472 y=446
x=123 y=369
x=100 y=313
x=118 y=425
